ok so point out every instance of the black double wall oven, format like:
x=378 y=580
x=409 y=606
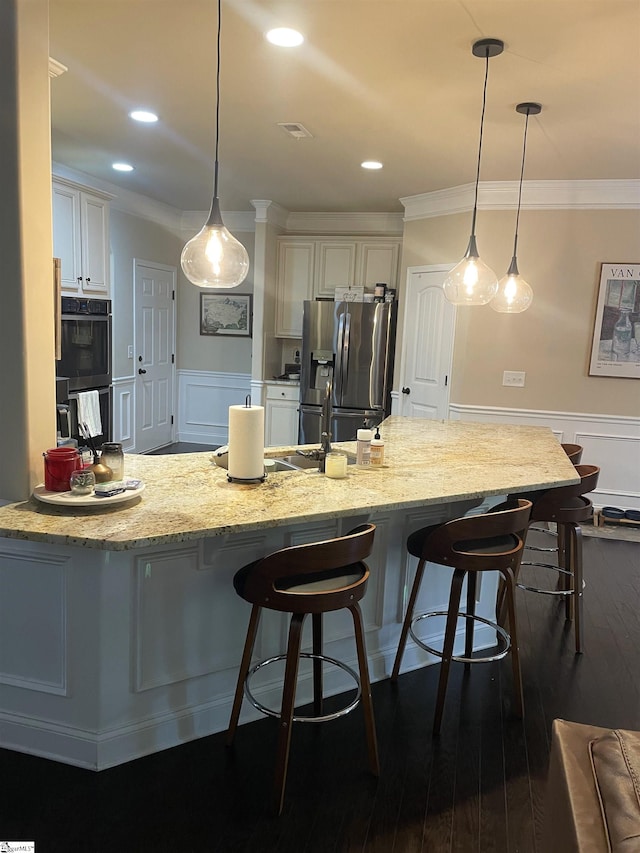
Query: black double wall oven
x=85 y=362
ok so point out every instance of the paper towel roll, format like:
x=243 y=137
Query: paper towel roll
x=246 y=442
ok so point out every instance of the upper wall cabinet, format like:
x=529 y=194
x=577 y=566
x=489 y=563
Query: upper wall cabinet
x=81 y=239
x=311 y=267
x=294 y=284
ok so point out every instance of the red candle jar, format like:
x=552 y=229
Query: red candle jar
x=59 y=465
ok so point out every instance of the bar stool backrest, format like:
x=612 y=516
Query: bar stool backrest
x=474 y=542
x=574 y=452
x=566 y=498
x=312 y=562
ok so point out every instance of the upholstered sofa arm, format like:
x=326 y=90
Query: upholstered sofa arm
x=592 y=802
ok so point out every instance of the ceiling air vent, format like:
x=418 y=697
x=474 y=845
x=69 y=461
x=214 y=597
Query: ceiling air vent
x=295 y=129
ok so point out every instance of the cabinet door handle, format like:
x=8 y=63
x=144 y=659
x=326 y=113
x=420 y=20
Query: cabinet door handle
x=88 y=279
x=79 y=278
x=141 y=370
x=406 y=390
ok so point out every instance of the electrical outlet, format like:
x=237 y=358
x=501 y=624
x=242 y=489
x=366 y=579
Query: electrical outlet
x=514 y=378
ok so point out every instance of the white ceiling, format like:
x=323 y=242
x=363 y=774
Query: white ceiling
x=393 y=80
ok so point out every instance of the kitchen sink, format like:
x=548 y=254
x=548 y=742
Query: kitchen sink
x=296 y=462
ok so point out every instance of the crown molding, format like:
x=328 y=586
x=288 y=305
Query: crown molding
x=347 y=223
x=56 y=68
x=536 y=195
x=270 y=212
x=191 y=221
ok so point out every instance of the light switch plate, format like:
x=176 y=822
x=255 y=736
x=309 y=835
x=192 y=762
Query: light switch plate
x=130 y=351
x=514 y=378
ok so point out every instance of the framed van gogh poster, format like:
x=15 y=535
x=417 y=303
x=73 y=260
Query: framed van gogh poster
x=615 y=349
x=225 y=314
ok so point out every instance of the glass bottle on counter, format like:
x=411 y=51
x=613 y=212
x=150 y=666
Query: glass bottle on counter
x=622 y=334
x=363 y=447
x=113 y=456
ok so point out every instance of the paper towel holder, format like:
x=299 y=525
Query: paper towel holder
x=250 y=480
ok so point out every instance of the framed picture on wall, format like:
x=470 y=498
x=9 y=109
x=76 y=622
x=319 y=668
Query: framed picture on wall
x=226 y=314
x=615 y=349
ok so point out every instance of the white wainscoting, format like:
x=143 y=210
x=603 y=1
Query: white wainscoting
x=123 y=416
x=610 y=441
x=204 y=398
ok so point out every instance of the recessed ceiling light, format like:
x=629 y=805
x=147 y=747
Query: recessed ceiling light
x=371 y=164
x=143 y=115
x=122 y=167
x=285 y=37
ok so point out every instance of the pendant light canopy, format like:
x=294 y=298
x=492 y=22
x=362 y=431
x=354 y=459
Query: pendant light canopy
x=514 y=294
x=214 y=258
x=472 y=282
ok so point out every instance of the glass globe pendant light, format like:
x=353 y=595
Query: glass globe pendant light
x=472 y=282
x=214 y=258
x=514 y=294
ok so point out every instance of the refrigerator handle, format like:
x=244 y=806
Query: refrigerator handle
x=337 y=373
x=345 y=354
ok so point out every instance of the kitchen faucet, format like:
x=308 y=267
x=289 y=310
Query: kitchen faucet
x=325 y=423
x=325 y=431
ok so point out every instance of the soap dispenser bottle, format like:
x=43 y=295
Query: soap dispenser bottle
x=377 y=449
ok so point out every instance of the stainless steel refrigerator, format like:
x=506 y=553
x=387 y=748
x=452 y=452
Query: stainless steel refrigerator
x=351 y=345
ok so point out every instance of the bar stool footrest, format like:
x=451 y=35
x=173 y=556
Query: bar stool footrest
x=506 y=639
x=322 y=718
x=557 y=592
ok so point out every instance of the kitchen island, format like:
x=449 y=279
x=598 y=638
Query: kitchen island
x=120 y=632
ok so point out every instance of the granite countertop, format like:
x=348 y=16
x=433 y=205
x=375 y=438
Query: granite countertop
x=187 y=497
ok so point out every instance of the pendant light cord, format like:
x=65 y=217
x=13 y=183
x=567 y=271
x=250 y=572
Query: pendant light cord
x=524 y=150
x=484 y=104
x=215 y=168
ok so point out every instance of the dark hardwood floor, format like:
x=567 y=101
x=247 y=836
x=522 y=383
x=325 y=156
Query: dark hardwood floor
x=479 y=787
x=182 y=447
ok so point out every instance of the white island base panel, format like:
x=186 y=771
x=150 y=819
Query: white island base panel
x=112 y=655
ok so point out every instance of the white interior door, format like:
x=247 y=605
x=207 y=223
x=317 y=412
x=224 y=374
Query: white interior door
x=154 y=367
x=427 y=351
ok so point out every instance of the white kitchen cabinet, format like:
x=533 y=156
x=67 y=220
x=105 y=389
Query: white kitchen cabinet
x=335 y=266
x=81 y=239
x=281 y=415
x=378 y=263
x=309 y=268
x=294 y=284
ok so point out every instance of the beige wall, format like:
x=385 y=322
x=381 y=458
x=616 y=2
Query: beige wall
x=559 y=254
x=135 y=238
x=202 y=352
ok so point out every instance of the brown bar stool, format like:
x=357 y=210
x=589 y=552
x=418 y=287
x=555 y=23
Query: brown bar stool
x=574 y=452
x=490 y=542
x=567 y=506
x=314 y=578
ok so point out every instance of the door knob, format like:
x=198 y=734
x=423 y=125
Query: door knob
x=141 y=371
x=406 y=390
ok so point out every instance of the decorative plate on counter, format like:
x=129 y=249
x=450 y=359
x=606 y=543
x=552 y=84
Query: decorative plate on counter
x=70 y=500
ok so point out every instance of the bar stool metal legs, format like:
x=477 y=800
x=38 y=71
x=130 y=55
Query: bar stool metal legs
x=492 y=542
x=314 y=579
x=567 y=506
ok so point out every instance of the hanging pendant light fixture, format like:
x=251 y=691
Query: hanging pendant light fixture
x=472 y=282
x=214 y=258
x=514 y=294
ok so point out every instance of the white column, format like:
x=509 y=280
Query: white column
x=27 y=364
